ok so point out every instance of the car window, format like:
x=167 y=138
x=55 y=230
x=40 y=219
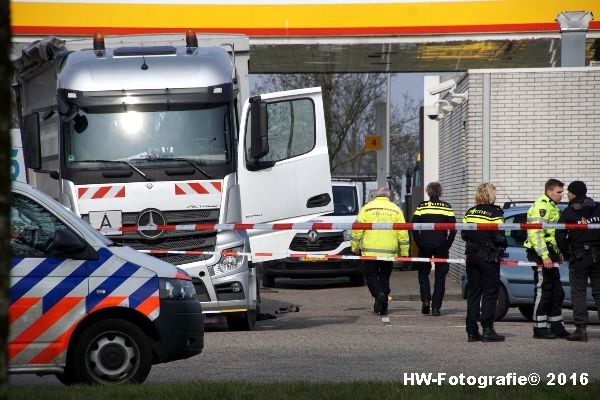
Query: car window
x=516 y=238
x=32 y=229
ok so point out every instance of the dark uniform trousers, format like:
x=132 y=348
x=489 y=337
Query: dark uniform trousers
x=378 y=276
x=483 y=278
x=580 y=268
x=441 y=269
x=548 y=295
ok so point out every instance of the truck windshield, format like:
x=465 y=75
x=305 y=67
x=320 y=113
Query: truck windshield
x=344 y=200
x=147 y=138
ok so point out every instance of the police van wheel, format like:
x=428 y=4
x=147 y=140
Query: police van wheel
x=502 y=303
x=112 y=351
x=67 y=378
x=243 y=322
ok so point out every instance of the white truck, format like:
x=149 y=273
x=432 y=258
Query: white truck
x=158 y=130
x=349 y=195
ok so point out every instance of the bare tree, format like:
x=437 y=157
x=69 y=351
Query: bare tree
x=5 y=112
x=404 y=139
x=349 y=104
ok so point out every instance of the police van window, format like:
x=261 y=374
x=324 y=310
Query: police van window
x=32 y=229
x=291 y=129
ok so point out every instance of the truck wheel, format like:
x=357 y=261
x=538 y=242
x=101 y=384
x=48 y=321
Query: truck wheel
x=357 y=279
x=502 y=304
x=268 y=281
x=526 y=311
x=112 y=351
x=242 y=322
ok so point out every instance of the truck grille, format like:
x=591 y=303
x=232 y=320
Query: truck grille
x=325 y=241
x=173 y=240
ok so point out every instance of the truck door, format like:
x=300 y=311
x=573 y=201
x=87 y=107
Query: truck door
x=283 y=162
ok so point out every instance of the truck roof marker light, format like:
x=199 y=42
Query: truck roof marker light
x=191 y=40
x=99 y=42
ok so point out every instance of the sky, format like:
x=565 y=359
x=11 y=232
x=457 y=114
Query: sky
x=411 y=83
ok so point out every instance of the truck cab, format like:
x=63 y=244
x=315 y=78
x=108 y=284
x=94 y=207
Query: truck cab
x=86 y=309
x=159 y=130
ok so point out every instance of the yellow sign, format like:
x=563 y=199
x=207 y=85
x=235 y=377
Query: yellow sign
x=373 y=142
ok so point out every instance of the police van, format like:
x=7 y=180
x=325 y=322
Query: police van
x=86 y=309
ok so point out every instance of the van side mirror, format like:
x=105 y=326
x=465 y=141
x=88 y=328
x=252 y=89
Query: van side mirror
x=67 y=242
x=30 y=135
x=259 y=137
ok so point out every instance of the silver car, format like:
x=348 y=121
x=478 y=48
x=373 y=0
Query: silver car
x=516 y=283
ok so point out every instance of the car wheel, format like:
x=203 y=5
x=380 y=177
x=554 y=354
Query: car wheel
x=243 y=322
x=357 y=279
x=502 y=304
x=112 y=351
x=268 y=281
x=526 y=311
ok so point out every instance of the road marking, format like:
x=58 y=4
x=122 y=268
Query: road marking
x=386 y=321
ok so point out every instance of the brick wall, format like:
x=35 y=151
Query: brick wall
x=543 y=124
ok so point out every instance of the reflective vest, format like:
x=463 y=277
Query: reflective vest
x=544 y=210
x=380 y=242
x=483 y=240
x=433 y=211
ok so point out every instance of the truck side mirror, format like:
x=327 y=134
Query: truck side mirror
x=30 y=135
x=259 y=136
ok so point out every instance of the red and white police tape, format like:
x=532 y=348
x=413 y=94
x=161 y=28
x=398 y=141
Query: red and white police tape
x=322 y=226
x=313 y=257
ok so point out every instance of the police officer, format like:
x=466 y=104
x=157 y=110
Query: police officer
x=542 y=249
x=582 y=247
x=484 y=250
x=433 y=244
x=380 y=243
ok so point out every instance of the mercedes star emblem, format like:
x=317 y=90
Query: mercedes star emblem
x=151 y=218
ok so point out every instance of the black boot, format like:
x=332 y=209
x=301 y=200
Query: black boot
x=558 y=328
x=379 y=300
x=435 y=312
x=474 y=338
x=543 y=333
x=580 y=334
x=425 y=307
x=384 y=309
x=490 y=335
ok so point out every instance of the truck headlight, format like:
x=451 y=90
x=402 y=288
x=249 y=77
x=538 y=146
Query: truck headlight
x=347 y=235
x=176 y=289
x=228 y=263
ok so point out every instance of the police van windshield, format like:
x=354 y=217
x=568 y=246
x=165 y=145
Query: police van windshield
x=199 y=134
x=344 y=201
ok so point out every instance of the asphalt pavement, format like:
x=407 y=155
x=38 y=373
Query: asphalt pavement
x=335 y=336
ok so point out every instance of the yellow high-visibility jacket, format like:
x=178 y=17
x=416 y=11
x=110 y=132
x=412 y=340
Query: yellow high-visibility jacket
x=542 y=211
x=380 y=243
